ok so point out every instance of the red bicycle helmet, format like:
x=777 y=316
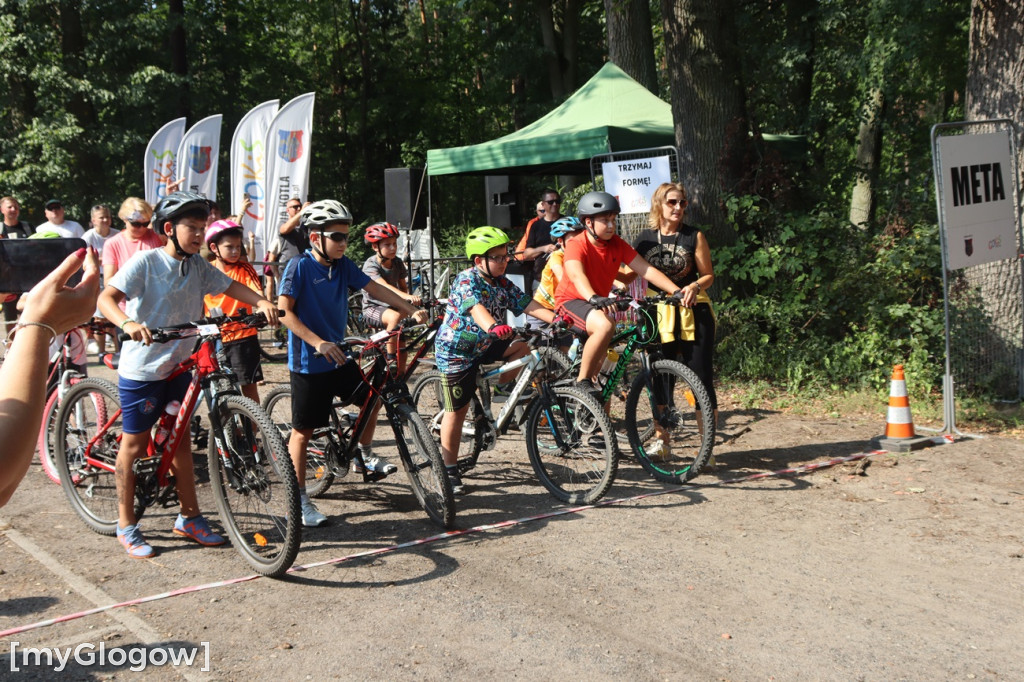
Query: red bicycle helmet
x=379 y=232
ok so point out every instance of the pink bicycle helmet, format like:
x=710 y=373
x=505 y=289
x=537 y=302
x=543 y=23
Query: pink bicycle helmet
x=214 y=231
x=379 y=232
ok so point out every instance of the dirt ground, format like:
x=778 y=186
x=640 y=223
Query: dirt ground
x=895 y=567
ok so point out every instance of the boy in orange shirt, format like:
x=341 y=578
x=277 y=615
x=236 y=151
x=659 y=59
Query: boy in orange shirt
x=241 y=348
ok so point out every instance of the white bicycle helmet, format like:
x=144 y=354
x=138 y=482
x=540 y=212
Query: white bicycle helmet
x=321 y=213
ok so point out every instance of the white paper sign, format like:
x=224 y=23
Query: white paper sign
x=634 y=181
x=977 y=198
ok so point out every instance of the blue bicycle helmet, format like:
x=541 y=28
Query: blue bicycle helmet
x=564 y=226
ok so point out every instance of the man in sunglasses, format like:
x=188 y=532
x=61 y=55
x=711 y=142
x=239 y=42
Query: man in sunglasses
x=55 y=221
x=539 y=244
x=293 y=241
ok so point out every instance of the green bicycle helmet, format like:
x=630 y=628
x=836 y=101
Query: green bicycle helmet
x=483 y=239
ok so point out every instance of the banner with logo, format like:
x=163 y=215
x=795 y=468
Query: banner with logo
x=288 y=161
x=158 y=164
x=197 y=157
x=633 y=181
x=248 y=165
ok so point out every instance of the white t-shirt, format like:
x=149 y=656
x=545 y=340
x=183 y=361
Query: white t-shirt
x=93 y=239
x=67 y=229
x=159 y=296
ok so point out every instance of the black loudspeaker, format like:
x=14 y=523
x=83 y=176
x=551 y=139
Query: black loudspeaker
x=401 y=188
x=502 y=210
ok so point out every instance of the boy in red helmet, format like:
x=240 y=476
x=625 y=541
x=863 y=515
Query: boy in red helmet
x=385 y=268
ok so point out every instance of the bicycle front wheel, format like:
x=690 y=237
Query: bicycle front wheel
x=273 y=343
x=424 y=467
x=571 y=445
x=426 y=396
x=254 y=484
x=86 y=447
x=278 y=406
x=670 y=422
x=45 y=445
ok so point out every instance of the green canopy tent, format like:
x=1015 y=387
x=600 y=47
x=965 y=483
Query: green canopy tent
x=611 y=112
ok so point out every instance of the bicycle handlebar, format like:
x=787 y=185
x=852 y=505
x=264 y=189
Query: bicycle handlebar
x=190 y=329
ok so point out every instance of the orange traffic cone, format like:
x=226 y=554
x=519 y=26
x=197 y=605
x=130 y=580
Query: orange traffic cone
x=898 y=422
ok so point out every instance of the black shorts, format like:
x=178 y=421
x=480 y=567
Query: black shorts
x=314 y=394
x=457 y=389
x=243 y=358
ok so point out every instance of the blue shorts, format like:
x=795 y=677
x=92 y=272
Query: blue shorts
x=142 y=402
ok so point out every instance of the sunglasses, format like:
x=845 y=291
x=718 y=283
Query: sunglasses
x=677 y=202
x=336 y=237
x=296 y=206
x=552 y=201
x=498 y=259
x=140 y=224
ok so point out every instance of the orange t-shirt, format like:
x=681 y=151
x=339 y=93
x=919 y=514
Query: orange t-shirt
x=601 y=263
x=244 y=274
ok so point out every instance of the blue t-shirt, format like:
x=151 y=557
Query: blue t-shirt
x=460 y=341
x=321 y=302
x=159 y=296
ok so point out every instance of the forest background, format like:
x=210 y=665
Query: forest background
x=827 y=251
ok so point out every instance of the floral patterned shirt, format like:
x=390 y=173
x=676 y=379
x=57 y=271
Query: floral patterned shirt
x=460 y=340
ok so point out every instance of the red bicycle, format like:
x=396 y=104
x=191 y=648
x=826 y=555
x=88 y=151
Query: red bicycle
x=251 y=474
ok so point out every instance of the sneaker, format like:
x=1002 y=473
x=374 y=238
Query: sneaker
x=93 y=347
x=597 y=441
x=374 y=464
x=133 y=542
x=311 y=516
x=659 y=451
x=588 y=387
x=504 y=389
x=197 y=529
x=456 y=480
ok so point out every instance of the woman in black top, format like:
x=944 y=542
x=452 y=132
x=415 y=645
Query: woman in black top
x=682 y=253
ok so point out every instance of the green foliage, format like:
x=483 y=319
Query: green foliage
x=812 y=303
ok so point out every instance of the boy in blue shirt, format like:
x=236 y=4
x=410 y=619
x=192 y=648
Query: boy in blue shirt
x=478 y=300
x=163 y=287
x=314 y=293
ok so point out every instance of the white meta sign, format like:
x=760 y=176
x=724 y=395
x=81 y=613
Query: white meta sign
x=634 y=181
x=977 y=179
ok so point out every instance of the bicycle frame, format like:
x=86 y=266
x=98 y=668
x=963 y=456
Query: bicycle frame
x=158 y=459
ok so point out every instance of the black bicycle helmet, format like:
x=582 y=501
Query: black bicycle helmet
x=596 y=203
x=170 y=208
x=176 y=204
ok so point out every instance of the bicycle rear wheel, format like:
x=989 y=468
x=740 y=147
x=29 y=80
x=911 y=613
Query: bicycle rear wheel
x=318 y=477
x=254 y=484
x=570 y=442
x=426 y=396
x=424 y=467
x=86 y=451
x=684 y=419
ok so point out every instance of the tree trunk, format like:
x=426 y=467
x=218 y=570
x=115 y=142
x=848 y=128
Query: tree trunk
x=179 y=54
x=88 y=167
x=631 y=41
x=708 y=103
x=869 y=151
x=995 y=89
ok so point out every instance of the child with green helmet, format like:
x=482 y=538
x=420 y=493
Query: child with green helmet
x=474 y=332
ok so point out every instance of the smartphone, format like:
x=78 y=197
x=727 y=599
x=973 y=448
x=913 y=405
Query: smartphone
x=24 y=262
